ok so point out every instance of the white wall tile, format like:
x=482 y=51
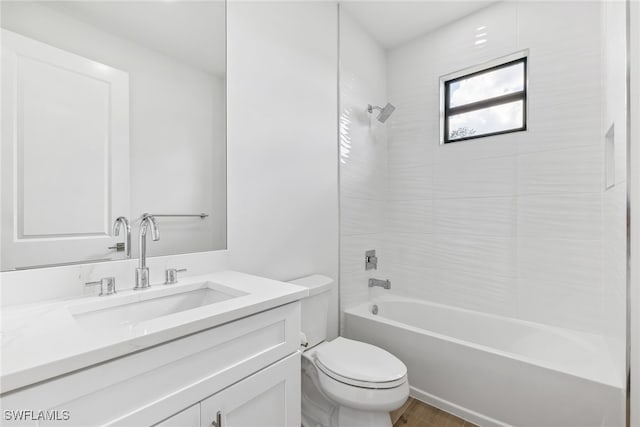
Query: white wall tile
x=494 y=256
x=472 y=290
x=614 y=200
x=571 y=133
x=410 y=152
x=353 y=248
x=353 y=276
x=614 y=81
x=363 y=159
x=561 y=216
x=491 y=146
x=410 y=251
x=583 y=34
x=477 y=38
x=492 y=177
x=363 y=140
x=409 y=74
x=414 y=183
x=571 y=263
x=484 y=216
x=411 y=136
x=409 y=216
x=615 y=260
x=418 y=282
x=564 y=74
x=576 y=170
x=361 y=216
x=477 y=290
x=363 y=151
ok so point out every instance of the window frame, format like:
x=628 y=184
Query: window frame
x=446 y=111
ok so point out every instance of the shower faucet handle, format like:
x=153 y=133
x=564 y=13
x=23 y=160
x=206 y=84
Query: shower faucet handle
x=370 y=260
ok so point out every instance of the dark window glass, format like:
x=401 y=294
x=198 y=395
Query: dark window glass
x=488 y=102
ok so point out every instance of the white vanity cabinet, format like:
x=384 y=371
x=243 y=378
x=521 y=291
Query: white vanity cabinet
x=190 y=417
x=266 y=399
x=247 y=368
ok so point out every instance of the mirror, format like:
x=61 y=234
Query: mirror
x=111 y=109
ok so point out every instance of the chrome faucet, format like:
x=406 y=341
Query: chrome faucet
x=386 y=284
x=123 y=222
x=142 y=272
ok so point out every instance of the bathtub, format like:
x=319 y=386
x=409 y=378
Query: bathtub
x=492 y=370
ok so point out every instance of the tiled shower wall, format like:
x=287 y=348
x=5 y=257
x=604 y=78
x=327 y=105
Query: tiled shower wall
x=515 y=224
x=614 y=198
x=363 y=158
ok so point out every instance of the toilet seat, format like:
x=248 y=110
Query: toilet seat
x=366 y=399
x=360 y=364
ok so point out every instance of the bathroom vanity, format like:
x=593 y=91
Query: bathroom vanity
x=219 y=349
x=114 y=117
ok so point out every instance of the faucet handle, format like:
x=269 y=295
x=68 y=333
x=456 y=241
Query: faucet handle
x=107 y=285
x=171 y=275
x=119 y=247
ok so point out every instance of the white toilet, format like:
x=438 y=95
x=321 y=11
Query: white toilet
x=345 y=383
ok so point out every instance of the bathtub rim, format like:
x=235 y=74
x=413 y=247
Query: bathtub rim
x=363 y=310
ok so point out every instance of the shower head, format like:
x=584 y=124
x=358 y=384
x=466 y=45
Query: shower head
x=385 y=111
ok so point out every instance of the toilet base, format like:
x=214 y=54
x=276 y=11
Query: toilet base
x=320 y=409
x=355 y=418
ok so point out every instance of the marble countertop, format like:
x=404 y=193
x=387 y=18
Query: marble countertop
x=43 y=340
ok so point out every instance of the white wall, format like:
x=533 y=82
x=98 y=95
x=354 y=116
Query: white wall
x=177 y=133
x=282 y=155
x=512 y=224
x=363 y=159
x=614 y=199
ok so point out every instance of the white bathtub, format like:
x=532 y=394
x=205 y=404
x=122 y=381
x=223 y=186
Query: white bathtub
x=492 y=370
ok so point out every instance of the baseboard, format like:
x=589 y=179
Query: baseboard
x=457 y=410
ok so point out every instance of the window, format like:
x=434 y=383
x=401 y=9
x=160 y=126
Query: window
x=490 y=101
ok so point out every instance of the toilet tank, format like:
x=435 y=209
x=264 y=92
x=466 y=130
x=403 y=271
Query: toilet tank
x=315 y=307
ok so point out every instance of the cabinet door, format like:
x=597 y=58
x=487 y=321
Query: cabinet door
x=190 y=417
x=268 y=398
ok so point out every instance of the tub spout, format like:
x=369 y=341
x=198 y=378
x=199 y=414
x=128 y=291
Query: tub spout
x=386 y=284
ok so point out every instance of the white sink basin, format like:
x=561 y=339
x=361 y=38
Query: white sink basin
x=141 y=306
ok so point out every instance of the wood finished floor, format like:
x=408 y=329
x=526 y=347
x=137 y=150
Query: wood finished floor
x=418 y=414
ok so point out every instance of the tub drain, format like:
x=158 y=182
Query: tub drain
x=374 y=309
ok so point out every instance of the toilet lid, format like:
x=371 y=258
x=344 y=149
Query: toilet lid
x=360 y=364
